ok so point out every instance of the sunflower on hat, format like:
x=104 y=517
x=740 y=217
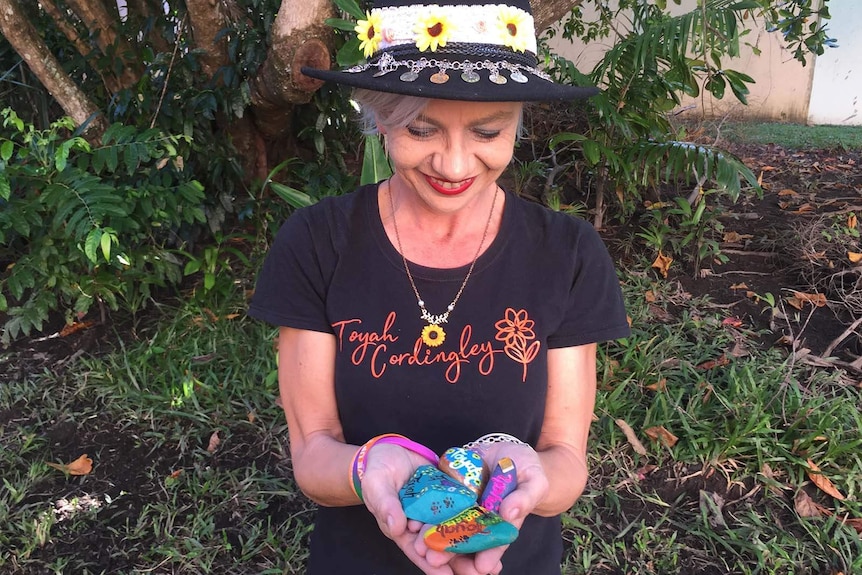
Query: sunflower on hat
x=369 y=32
x=433 y=30
x=514 y=28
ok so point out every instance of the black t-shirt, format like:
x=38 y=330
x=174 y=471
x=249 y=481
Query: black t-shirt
x=546 y=281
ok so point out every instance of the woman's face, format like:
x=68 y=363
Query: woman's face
x=454 y=150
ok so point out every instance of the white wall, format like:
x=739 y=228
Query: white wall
x=836 y=94
x=783 y=86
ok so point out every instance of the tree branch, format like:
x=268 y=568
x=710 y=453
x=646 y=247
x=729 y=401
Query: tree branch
x=27 y=42
x=546 y=13
x=66 y=27
x=207 y=20
x=299 y=38
x=95 y=16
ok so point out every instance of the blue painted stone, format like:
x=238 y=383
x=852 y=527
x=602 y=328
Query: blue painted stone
x=503 y=481
x=466 y=467
x=474 y=530
x=431 y=496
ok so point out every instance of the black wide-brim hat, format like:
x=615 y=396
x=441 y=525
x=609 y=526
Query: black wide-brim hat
x=455 y=51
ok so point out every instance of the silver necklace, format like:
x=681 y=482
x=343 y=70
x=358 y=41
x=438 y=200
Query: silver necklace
x=432 y=334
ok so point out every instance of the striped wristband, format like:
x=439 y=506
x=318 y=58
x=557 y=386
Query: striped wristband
x=360 y=460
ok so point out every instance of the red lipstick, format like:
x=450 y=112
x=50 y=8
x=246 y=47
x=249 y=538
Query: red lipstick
x=435 y=183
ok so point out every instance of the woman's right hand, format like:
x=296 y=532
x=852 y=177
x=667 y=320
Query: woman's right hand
x=387 y=469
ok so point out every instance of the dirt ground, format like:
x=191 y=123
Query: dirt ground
x=796 y=238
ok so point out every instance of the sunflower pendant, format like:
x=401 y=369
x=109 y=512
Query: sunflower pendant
x=433 y=335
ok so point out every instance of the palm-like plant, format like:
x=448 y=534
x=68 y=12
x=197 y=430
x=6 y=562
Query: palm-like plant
x=657 y=57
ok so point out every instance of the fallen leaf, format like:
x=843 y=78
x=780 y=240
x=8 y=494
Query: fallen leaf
x=175 y=474
x=854 y=257
x=660 y=385
x=650 y=296
x=251 y=417
x=806 y=507
x=662 y=263
x=815 y=256
x=795 y=302
x=788 y=192
x=214 y=442
x=711 y=505
x=799 y=298
x=739 y=286
x=822 y=482
x=713 y=363
x=660 y=314
x=642 y=472
x=81 y=466
x=232 y=316
x=656 y=205
x=75 y=327
x=629 y=320
x=735 y=238
x=659 y=433
x=768 y=168
x=708 y=387
x=738 y=350
x=772 y=482
x=631 y=437
x=804 y=209
x=855 y=523
x=851 y=221
x=732 y=322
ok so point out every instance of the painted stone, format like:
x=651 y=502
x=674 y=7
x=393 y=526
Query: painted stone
x=503 y=481
x=431 y=496
x=474 y=530
x=466 y=467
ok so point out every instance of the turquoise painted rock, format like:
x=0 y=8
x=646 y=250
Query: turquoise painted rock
x=431 y=496
x=474 y=530
x=466 y=467
x=503 y=481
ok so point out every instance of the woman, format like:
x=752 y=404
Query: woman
x=437 y=306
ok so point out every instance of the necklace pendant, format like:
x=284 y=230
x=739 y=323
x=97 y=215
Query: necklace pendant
x=433 y=335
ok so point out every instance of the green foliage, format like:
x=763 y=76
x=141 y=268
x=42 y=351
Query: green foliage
x=630 y=146
x=88 y=223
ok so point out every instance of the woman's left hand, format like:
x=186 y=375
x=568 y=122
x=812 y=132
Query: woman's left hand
x=532 y=488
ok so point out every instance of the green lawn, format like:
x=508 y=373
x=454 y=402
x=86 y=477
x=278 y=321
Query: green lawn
x=166 y=495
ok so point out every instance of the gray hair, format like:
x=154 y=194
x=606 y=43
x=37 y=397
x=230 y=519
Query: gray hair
x=385 y=109
x=395 y=110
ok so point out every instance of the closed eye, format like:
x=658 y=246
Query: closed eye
x=486 y=134
x=420 y=132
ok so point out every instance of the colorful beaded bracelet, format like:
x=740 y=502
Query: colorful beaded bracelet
x=357 y=468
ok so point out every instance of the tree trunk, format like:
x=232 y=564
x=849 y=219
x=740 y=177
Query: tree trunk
x=138 y=14
x=546 y=13
x=22 y=36
x=207 y=20
x=299 y=38
x=95 y=16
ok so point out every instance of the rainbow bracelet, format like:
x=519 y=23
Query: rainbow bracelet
x=360 y=460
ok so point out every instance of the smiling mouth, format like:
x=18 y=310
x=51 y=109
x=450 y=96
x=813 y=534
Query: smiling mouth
x=449 y=188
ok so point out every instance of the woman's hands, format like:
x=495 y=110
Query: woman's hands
x=532 y=488
x=389 y=467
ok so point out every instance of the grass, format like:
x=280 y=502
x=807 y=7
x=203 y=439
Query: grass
x=719 y=500
x=794 y=136
x=145 y=414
